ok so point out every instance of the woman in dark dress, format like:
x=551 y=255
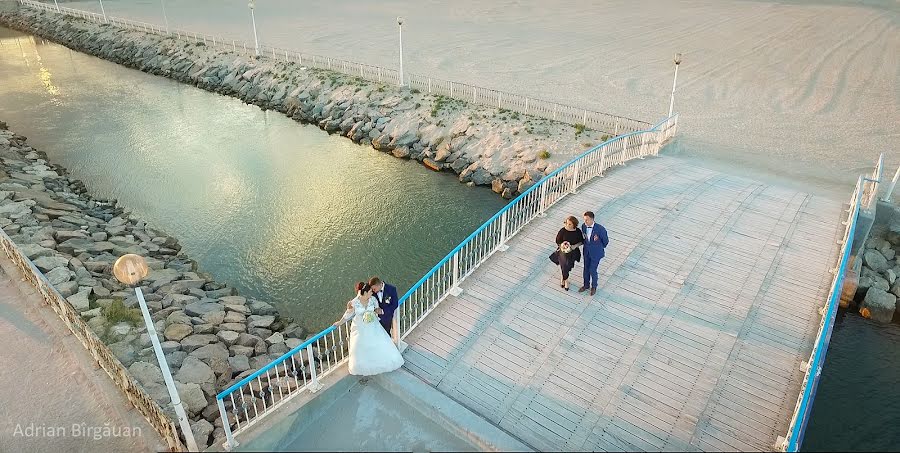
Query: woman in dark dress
x=568 y=239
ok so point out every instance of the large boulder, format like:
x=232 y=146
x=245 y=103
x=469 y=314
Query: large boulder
x=196 y=341
x=192 y=396
x=146 y=373
x=875 y=261
x=878 y=305
x=227 y=336
x=260 y=321
x=239 y=363
x=80 y=301
x=200 y=308
x=194 y=370
x=210 y=351
x=177 y=332
x=48 y=263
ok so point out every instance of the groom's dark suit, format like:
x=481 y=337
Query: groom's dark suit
x=387 y=301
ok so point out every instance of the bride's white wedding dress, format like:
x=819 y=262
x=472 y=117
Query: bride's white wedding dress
x=371 y=349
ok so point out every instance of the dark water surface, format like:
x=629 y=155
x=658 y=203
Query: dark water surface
x=284 y=212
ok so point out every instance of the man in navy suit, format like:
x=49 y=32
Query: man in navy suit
x=387 y=301
x=595 y=242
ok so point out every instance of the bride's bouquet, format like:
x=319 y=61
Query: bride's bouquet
x=369 y=317
x=565 y=247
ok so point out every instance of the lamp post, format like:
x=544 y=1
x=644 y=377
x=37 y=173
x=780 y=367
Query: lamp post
x=400 y=25
x=130 y=269
x=252 y=6
x=103 y=11
x=674 y=83
x=165 y=16
x=57 y=6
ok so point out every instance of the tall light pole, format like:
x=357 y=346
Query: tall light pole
x=400 y=25
x=165 y=16
x=103 y=11
x=252 y=6
x=674 y=83
x=57 y=6
x=130 y=269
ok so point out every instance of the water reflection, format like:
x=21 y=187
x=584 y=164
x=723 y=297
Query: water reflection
x=284 y=212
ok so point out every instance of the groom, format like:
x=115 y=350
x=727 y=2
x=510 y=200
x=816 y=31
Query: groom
x=595 y=242
x=387 y=301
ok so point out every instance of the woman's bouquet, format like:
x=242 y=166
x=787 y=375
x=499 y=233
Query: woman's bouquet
x=369 y=317
x=565 y=247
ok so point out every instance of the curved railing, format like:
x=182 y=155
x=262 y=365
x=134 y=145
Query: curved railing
x=247 y=401
x=862 y=198
x=604 y=122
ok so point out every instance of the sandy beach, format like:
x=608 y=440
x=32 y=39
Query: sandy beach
x=803 y=91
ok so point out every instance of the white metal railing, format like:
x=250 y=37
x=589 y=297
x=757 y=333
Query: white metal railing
x=235 y=45
x=604 y=122
x=863 y=196
x=246 y=402
x=528 y=106
x=444 y=279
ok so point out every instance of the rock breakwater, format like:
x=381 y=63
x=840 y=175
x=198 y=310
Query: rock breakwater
x=501 y=149
x=211 y=336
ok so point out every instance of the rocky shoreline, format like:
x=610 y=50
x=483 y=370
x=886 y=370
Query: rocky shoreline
x=483 y=146
x=211 y=336
x=878 y=288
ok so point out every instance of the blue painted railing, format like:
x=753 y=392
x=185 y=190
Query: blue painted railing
x=247 y=401
x=864 y=195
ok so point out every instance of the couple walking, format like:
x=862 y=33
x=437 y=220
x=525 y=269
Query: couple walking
x=569 y=240
x=372 y=311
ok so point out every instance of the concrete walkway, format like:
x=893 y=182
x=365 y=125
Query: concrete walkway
x=53 y=397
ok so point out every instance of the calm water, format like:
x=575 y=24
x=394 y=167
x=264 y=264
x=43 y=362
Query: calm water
x=292 y=215
x=284 y=212
x=856 y=406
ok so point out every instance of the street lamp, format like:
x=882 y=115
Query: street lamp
x=103 y=11
x=400 y=25
x=57 y=6
x=130 y=269
x=674 y=82
x=165 y=16
x=252 y=5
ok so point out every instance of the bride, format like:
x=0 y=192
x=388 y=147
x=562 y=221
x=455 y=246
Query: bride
x=371 y=349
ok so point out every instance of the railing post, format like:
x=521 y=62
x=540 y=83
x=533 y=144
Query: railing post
x=314 y=384
x=456 y=290
x=616 y=129
x=502 y=246
x=890 y=189
x=499 y=100
x=395 y=331
x=451 y=88
x=526 y=107
x=474 y=95
x=230 y=443
x=603 y=161
x=429 y=85
x=543 y=199
x=575 y=169
x=624 y=151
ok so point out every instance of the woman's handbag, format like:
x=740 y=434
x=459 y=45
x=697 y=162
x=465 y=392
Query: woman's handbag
x=555 y=257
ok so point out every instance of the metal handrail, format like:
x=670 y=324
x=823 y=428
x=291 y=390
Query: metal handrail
x=813 y=371
x=301 y=368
